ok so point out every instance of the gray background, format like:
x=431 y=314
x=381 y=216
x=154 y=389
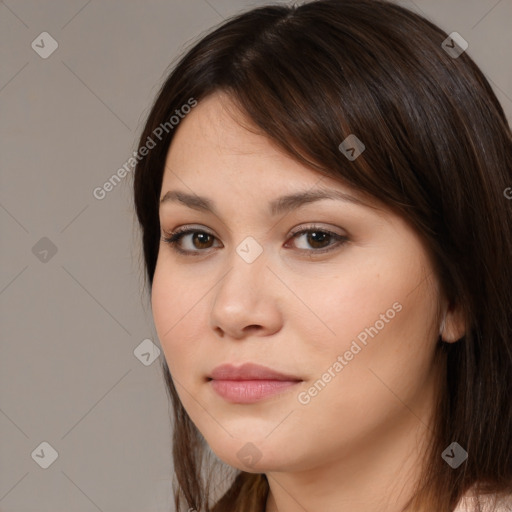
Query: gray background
x=72 y=320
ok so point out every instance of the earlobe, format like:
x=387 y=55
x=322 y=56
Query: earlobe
x=452 y=327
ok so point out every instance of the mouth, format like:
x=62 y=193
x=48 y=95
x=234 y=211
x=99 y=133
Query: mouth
x=249 y=371
x=249 y=383
x=249 y=391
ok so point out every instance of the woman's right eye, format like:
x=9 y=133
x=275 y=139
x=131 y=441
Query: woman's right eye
x=175 y=238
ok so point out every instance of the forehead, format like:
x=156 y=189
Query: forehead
x=216 y=144
x=218 y=152
x=215 y=136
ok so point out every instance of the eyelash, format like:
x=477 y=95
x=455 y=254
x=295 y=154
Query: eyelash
x=174 y=238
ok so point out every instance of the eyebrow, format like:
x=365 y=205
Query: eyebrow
x=278 y=206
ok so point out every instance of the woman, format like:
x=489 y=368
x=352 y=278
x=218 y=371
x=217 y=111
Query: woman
x=327 y=240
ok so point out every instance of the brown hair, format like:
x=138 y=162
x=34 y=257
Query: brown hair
x=438 y=152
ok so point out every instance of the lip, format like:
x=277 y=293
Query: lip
x=249 y=371
x=249 y=382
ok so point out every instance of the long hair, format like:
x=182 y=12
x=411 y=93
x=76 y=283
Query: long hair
x=438 y=151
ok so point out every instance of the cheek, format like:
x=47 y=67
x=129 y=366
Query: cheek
x=386 y=338
x=174 y=306
x=343 y=302
x=385 y=378
x=378 y=316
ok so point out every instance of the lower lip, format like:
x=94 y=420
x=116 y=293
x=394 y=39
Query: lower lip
x=249 y=391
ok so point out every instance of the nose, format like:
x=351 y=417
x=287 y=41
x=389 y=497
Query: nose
x=247 y=300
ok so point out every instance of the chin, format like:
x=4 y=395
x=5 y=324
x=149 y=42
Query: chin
x=255 y=456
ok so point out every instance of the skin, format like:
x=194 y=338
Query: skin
x=359 y=443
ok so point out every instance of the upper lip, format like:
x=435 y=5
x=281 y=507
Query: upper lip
x=248 y=371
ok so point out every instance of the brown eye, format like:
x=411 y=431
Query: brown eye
x=200 y=240
x=319 y=240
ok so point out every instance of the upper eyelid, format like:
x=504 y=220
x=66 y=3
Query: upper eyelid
x=181 y=232
x=306 y=227
x=274 y=226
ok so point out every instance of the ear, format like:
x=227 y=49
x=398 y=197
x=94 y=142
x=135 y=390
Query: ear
x=452 y=327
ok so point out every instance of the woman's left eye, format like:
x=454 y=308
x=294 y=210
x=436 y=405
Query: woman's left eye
x=317 y=238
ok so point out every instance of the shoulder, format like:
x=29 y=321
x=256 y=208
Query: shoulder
x=489 y=503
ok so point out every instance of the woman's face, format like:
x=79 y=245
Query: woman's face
x=352 y=322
